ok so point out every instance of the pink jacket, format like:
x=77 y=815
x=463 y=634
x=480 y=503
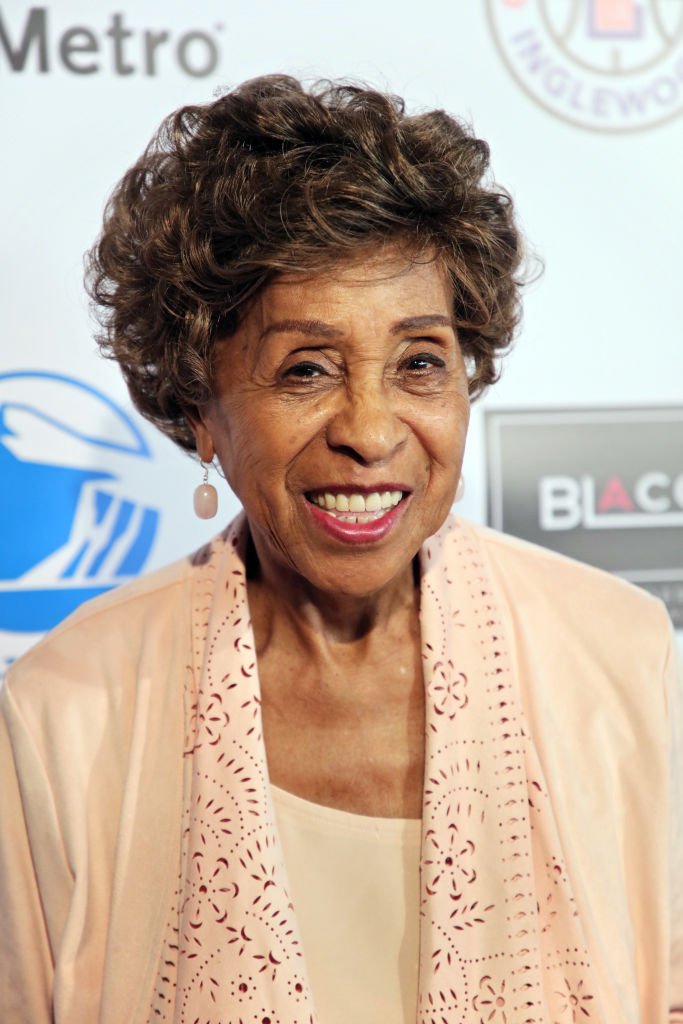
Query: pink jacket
x=97 y=716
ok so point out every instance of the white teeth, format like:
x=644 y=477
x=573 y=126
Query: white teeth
x=356 y=503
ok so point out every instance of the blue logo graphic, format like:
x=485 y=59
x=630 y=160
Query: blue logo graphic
x=73 y=466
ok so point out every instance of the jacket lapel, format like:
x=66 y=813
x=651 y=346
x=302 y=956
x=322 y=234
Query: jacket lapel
x=148 y=848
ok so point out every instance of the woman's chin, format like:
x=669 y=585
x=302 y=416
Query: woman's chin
x=355 y=577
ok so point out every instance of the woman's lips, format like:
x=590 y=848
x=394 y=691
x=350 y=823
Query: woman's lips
x=357 y=517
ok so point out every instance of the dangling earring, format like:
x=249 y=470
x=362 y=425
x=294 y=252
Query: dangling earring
x=460 y=489
x=205 y=497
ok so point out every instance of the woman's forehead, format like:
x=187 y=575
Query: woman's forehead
x=356 y=285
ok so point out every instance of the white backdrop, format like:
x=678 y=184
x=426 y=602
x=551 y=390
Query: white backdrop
x=600 y=204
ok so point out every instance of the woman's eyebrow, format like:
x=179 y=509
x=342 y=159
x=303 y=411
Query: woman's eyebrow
x=418 y=323
x=320 y=329
x=313 y=327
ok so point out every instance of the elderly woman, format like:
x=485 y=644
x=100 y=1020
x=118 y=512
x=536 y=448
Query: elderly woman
x=354 y=761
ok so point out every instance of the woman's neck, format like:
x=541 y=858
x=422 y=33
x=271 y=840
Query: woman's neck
x=342 y=692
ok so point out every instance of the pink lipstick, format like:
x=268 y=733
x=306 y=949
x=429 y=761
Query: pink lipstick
x=373 y=525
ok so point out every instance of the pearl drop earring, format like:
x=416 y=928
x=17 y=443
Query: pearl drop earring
x=460 y=489
x=205 y=497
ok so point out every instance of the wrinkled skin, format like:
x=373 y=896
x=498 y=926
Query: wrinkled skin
x=352 y=399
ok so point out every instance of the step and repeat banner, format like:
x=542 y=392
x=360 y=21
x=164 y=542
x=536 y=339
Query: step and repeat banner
x=579 y=446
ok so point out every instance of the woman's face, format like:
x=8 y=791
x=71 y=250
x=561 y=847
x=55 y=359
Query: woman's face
x=339 y=418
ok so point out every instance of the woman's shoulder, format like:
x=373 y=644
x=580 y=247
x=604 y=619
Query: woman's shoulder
x=108 y=643
x=540 y=565
x=98 y=623
x=599 y=644
x=542 y=587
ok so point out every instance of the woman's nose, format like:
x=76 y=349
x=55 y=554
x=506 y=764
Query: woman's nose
x=366 y=426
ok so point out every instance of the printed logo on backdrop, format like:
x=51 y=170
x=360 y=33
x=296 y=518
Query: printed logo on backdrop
x=117 y=45
x=603 y=486
x=72 y=521
x=605 y=65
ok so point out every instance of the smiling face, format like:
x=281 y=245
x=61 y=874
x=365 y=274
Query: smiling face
x=339 y=418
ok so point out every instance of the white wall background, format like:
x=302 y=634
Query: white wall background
x=602 y=208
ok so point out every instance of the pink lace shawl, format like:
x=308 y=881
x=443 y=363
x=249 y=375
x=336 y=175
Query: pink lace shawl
x=500 y=938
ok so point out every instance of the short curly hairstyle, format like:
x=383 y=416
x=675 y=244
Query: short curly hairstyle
x=271 y=178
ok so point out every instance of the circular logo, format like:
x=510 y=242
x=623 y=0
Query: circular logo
x=605 y=65
x=71 y=519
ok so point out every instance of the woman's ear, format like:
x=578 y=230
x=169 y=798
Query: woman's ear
x=202 y=435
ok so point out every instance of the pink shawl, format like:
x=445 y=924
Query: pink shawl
x=500 y=938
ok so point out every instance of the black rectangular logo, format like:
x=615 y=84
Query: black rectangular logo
x=601 y=485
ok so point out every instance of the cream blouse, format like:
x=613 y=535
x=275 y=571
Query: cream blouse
x=355 y=887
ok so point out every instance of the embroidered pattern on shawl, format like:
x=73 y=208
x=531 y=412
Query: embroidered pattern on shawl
x=500 y=937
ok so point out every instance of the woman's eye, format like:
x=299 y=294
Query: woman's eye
x=303 y=371
x=422 y=362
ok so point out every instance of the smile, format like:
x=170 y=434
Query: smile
x=354 y=517
x=356 y=507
